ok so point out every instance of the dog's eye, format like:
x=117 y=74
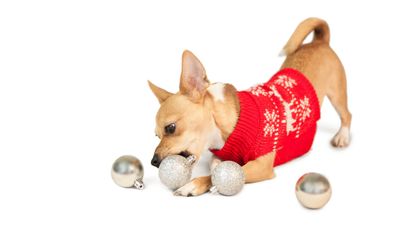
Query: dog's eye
x=169 y=129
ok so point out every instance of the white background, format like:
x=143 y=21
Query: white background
x=74 y=97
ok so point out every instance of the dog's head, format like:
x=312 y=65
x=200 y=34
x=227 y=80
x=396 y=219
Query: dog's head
x=184 y=119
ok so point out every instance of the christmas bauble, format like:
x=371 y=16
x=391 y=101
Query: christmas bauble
x=175 y=170
x=313 y=190
x=127 y=171
x=228 y=178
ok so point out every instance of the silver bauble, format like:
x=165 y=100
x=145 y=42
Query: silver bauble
x=127 y=171
x=313 y=190
x=175 y=170
x=228 y=178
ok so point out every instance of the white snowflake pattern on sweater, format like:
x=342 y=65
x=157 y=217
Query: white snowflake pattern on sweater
x=270 y=127
x=285 y=81
x=304 y=108
x=258 y=90
x=300 y=107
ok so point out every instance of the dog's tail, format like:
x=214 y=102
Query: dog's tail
x=321 y=33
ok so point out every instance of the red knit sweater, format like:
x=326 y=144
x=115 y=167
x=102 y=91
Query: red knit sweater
x=279 y=115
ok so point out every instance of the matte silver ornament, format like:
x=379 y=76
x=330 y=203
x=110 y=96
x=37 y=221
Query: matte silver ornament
x=228 y=178
x=175 y=170
x=313 y=190
x=127 y=171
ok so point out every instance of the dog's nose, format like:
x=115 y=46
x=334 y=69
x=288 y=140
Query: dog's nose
x=155 y=161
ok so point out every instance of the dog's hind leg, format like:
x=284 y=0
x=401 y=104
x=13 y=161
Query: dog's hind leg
x=337 y=94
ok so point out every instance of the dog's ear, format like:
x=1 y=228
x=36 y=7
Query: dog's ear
x=193 y=80
x=160 y=93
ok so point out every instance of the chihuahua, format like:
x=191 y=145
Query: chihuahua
x=262 y=127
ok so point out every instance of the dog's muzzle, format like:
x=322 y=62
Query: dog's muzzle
x=155 y=161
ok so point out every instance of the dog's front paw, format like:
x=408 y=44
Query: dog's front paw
x=195 y=187
x=342 y=138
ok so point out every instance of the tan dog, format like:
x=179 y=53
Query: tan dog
x=201 y=115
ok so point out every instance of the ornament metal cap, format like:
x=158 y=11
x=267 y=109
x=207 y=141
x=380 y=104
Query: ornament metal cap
x=191 y=160
x=138 y=184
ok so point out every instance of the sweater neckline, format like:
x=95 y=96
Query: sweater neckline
x=246 y=130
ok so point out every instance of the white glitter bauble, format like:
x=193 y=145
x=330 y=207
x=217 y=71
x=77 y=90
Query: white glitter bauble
x=313 y=190
x=228 y=178
x=127 y=171
x=175 y=171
